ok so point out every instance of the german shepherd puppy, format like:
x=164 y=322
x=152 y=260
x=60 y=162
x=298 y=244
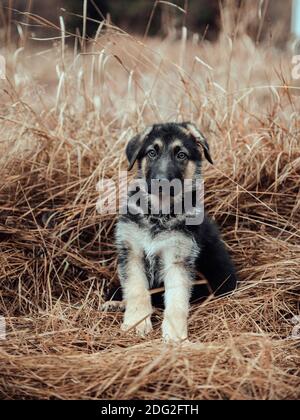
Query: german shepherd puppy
x=157 y=249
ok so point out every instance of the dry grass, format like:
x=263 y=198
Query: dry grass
x=64 y=123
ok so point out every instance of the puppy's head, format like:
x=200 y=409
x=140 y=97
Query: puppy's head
x=166 y=152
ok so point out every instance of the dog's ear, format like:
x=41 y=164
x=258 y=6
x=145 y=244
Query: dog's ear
x=135 y=145
x=200 y=139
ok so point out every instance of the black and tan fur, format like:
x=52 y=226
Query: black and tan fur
x=162 y=250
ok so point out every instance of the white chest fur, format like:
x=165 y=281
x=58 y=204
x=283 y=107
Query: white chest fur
x=173 y=246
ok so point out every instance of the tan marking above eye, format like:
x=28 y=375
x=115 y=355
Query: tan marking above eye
x=177 y=143
x=158 y=143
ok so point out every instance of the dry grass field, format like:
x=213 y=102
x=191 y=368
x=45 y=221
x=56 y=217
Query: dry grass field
x=65 y=118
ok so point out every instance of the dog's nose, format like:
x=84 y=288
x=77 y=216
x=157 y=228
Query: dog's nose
x=161 y=178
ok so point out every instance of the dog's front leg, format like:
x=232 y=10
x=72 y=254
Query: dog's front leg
x=177 y=295
x=138 y=308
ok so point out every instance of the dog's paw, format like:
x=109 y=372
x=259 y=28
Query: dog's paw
x=142 y=328
x=173 y=334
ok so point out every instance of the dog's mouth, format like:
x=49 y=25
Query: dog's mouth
x=161 y=193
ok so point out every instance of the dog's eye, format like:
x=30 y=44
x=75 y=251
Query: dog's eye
x=181 y=156
x=152 y=154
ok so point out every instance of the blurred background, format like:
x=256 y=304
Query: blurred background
x=271 y=20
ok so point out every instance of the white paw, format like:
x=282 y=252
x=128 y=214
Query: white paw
x=142 y=328
x=172 y=333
